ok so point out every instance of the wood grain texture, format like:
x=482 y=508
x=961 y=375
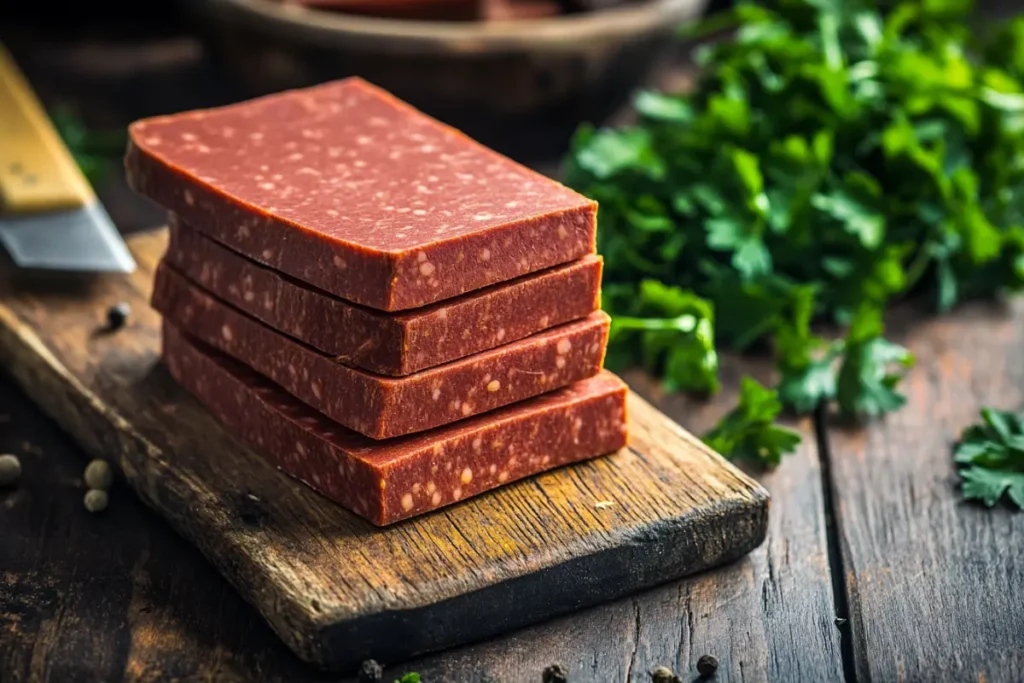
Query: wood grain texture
x=333 y=588
x=152 y=608
x=936 y=585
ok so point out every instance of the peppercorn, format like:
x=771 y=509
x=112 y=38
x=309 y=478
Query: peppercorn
x=555 y=673
x=707 y=666
x=96 y=500
x=662 y=674
x=98 y=475
x=118 y=314
x=10 y=470
x=370 y=672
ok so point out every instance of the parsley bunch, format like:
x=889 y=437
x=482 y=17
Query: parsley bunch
x=991 y=458
x=835 y=156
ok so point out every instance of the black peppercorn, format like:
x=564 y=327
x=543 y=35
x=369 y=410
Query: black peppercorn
x=707 y=666
x=370 y=672
x=555 y=673
x=117 y=315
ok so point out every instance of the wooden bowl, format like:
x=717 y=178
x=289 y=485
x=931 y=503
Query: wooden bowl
x=520 y=86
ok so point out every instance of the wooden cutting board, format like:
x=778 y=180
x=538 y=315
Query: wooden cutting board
x=336 y=589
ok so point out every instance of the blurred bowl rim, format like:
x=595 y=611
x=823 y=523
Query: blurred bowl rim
x=568 y=32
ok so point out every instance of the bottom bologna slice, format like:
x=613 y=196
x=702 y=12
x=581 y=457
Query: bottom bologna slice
x=386 y=481
x=384 y=407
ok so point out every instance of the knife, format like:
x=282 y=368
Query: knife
x=50 y=217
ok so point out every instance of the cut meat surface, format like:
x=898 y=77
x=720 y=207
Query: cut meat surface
x=349 y=189
x=374 y=405
x=390 y=343
x=385 y=482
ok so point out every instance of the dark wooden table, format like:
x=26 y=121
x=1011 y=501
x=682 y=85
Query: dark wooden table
x=873 y=569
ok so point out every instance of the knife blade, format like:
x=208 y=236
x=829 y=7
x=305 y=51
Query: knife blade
x=50 y=218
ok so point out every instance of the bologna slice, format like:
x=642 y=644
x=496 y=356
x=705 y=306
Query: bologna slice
x=374 y=405
x=390 y=343
x=349 y=189
x=386 y=481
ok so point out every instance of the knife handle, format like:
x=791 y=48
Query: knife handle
x=37 y=172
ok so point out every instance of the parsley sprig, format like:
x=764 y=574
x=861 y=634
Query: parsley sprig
x=991 y=458
x=834 y=157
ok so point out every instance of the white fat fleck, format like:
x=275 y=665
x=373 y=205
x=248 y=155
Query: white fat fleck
x=477 y=443
x=339 y=262
x=243 y=231
x=419 y=212
x=226 y=332
x=364 y=140
x=503 y=476
x=421 y=256
x=545 y=460
x=256 y=136
x=563 y=346
x=442 y=314
x=299 y=448
x=493 y=385
x=267 y=186
x=202 y=149
x=544 y=320
x=295 y=156
x=316 y=478
x=248 y=296
x=559 y=363
x=492 y=469
x=188 y=137
x=359 y=163
x=483 y=216
x=501 y=333
x=189 y=199
x=457 y=493
x=407 y=502
x=268 y=253
x=431 y=487
x=485 y=254
x=562 y=232
x=333 y=213
x=268 y=302
x=511 y=205
x=467 y=476
x=154 y=140
x=427 y=269
x=436 y=498
x=316 y=389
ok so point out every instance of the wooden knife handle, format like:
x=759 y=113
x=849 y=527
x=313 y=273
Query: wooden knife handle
x=37 y=172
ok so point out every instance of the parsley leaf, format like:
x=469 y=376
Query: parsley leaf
x=410 y=678
x=749 y=432
x=832 y=158
x=991 y=458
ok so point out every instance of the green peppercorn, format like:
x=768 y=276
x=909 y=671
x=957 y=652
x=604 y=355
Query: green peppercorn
x=10 y=470
x=555 y=673
x=662 y=674
x=98 y=475
x=96 y=500
x=707 y=666
x=370 y=672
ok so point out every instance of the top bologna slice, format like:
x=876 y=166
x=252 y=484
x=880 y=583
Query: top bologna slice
x=351 y=190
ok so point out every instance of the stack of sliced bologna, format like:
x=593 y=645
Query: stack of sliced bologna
x=388 y=311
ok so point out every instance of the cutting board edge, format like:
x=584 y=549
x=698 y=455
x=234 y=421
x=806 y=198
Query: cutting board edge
x=752 y=516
